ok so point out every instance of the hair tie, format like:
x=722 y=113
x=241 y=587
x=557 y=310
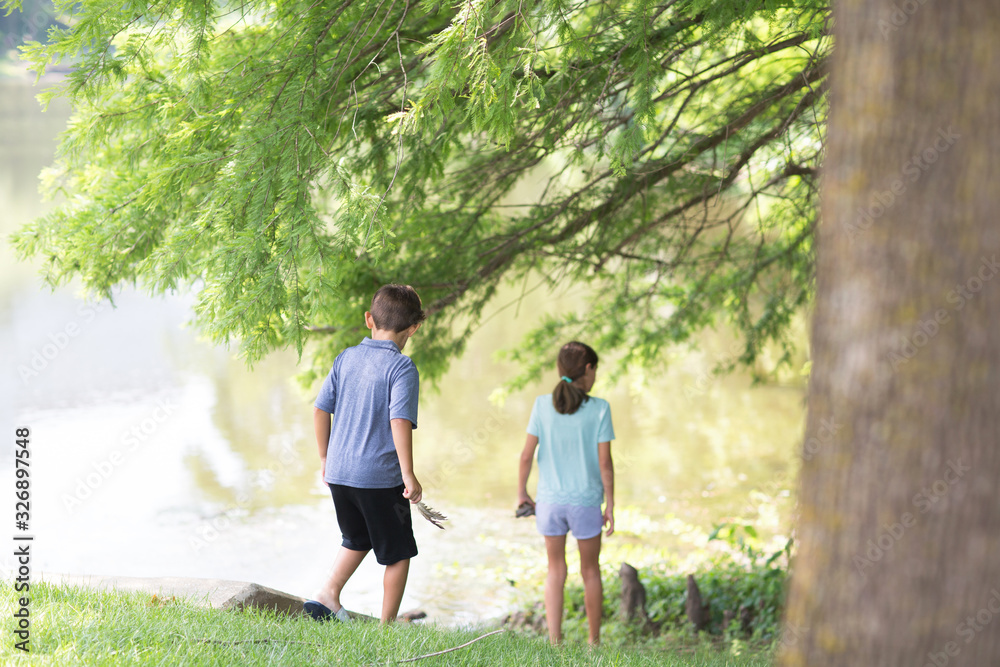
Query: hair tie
x=570 y=380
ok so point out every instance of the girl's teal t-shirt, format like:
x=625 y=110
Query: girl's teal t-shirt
x=569 y=472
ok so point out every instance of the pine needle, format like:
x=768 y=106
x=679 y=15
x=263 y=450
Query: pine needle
x=431 y=515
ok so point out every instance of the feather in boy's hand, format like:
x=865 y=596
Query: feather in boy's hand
x=431 y=515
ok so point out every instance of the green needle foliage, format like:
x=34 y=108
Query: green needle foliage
x=285 y=158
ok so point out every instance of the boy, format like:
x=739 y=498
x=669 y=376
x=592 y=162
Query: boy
x=367 y=453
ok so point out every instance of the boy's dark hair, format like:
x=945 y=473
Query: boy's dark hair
x=396 y=308
x=573 y=359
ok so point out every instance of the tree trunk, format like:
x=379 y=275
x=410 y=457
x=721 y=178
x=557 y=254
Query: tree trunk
x=899 y=531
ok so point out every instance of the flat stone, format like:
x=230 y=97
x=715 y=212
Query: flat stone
x=412 y=615
x=212 y=593
x=262 y=597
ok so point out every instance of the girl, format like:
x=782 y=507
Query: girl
x=573 y=434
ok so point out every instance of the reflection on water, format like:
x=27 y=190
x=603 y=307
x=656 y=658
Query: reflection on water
x=156 y=454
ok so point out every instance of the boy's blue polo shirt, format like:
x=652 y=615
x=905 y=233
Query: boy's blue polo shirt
x=368 y=385
x=569 y=471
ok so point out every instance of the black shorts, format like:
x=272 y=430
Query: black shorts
x=376 y=519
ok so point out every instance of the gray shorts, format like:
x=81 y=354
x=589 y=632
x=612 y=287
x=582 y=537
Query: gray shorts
x=556 y=520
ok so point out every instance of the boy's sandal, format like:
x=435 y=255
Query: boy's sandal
x=320 y=612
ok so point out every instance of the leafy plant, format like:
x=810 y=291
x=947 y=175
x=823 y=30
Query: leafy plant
x=746 y=577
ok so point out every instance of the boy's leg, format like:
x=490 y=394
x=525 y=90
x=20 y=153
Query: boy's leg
x=593 y=591
x=344 y=565
x=555 y=582
x=393 y=584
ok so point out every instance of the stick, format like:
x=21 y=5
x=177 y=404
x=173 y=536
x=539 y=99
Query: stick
x=455 y=648
x=293 y=641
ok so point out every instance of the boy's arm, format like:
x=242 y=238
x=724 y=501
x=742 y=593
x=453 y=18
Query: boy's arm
x=321 y=423
x=402 y=438
x=608 y=480
x=527 y=454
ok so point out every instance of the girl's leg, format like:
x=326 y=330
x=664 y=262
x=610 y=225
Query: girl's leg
x=593 y=592
x=555 y=547
x=393 y=585
x=344 y=565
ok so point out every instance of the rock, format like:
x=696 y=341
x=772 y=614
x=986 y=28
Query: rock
x=261 y=597
x=524 y=509
x=515 y=620
x=412 y=615
x=533 y=619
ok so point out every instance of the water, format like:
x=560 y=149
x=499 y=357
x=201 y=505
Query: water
x=157 y=454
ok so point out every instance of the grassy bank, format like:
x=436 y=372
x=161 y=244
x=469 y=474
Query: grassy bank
x=72 y=626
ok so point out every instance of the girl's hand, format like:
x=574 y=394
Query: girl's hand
x=523 y=497
x=609 y=519
x=322 y=470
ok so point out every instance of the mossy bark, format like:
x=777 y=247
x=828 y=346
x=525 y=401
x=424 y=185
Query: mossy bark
x=899 y=530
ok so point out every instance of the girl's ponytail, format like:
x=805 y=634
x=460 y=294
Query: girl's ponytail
x=568 y=395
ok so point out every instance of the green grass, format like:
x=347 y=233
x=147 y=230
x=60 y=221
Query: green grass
x=73 y=626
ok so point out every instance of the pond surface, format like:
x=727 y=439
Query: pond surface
x=156 y=454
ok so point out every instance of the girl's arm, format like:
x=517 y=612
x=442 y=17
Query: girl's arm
x=527 y=454
x=608 y=479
